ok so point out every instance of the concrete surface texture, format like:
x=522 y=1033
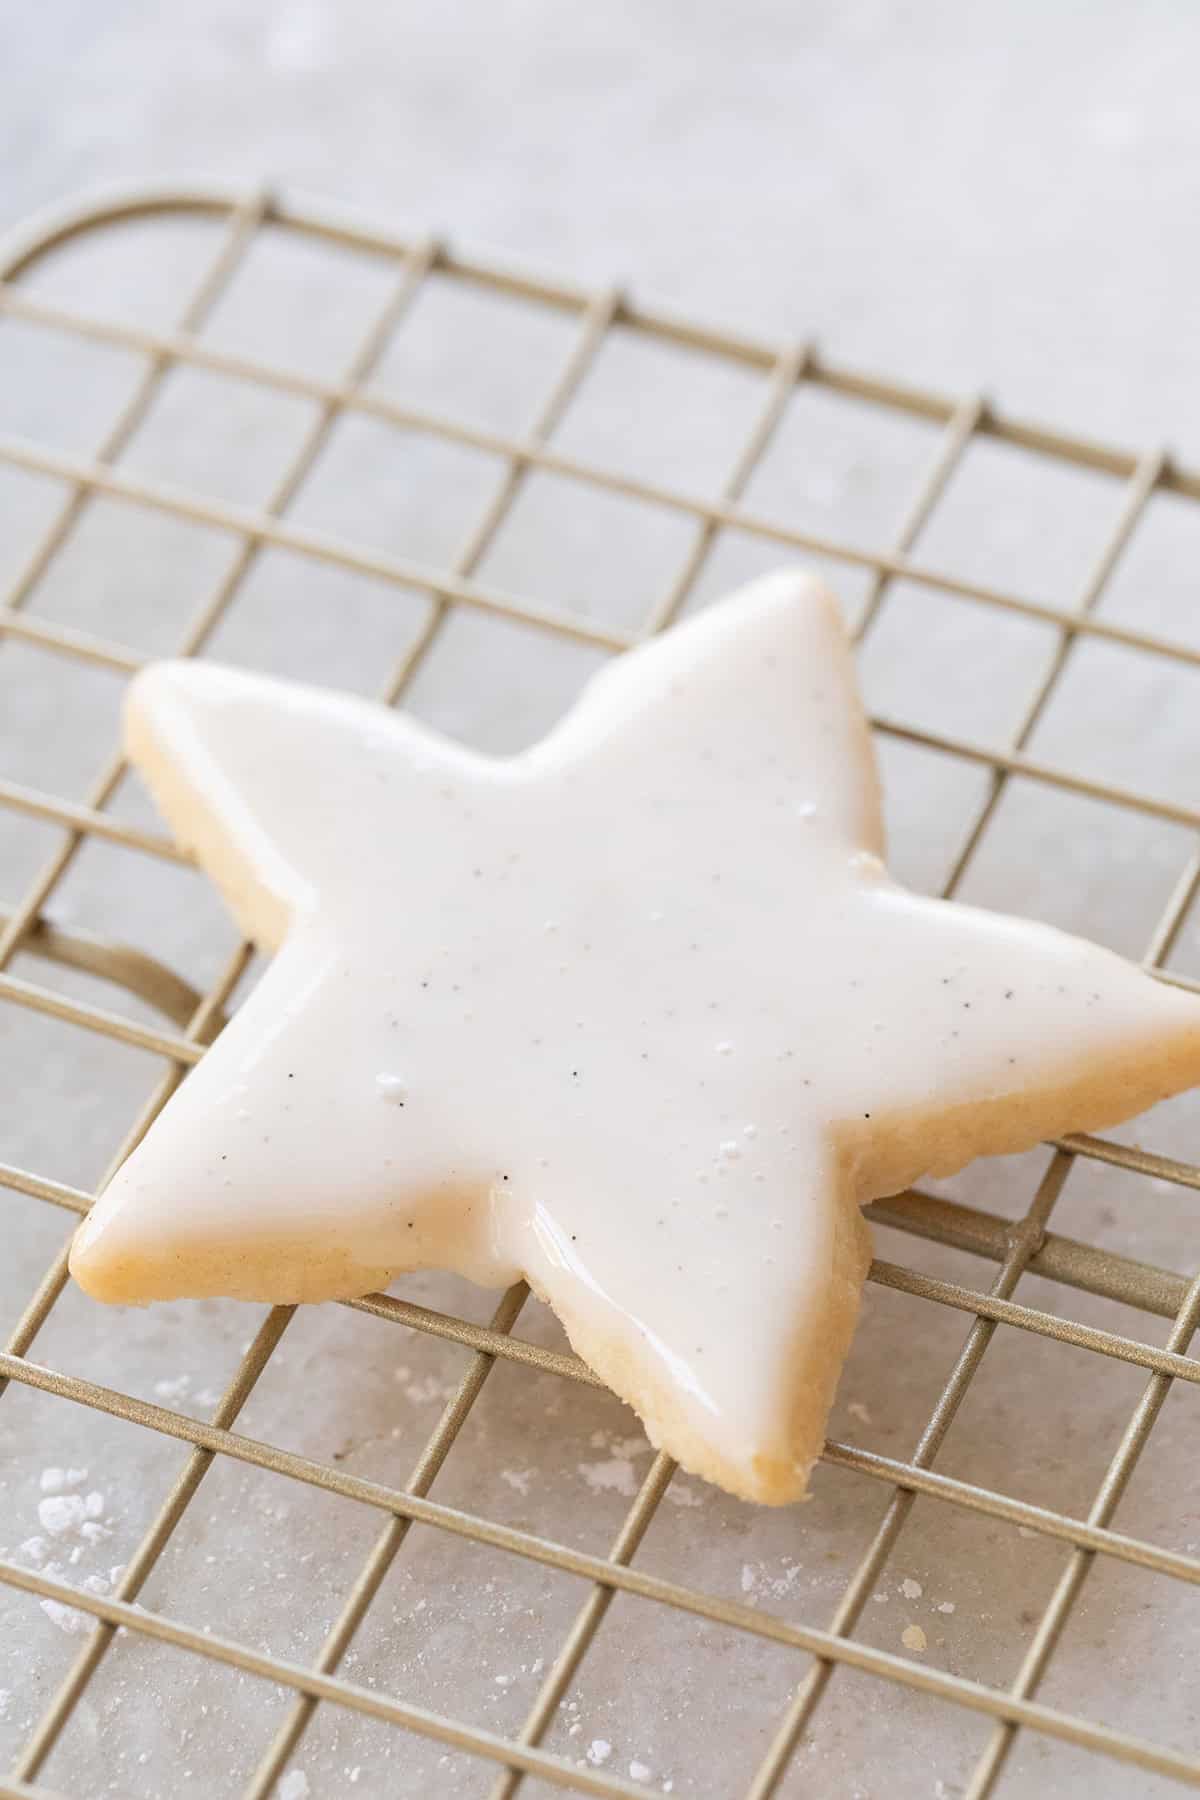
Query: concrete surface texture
x=969 y=195
x=964 y=193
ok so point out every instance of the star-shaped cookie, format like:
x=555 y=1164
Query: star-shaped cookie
x=637 y=1014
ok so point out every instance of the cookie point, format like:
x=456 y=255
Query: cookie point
x=154 y=678
x=90 y=1265
x=797 y=586
x=150 y=687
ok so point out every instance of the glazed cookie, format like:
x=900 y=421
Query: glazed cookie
x=638 y=1015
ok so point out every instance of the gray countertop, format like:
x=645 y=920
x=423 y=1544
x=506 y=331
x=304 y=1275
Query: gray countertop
x=962 y=193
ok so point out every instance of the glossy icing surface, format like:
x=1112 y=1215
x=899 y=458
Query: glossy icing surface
x=637 y=1014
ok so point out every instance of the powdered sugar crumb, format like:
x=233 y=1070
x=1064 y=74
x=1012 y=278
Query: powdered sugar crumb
x=598 y=1752
x=679 y=1494
x=293 y=1785
x=913 y=1638
x=172 y=1387
x=67 y=1618
x=421 y=1389
x=946 y=1606
x=639 y=1771
x=519 y=1479
x=783 y=1584
x=54 y=1480
x=59 y=1513
x=756 y=1578
x=614 y=1477
x=858 y=1411
x=912 y=1590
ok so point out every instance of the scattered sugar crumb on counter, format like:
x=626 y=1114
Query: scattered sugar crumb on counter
x=782 y=1585
x=749 y=1578
x=615 y=1476
x=598 y=1752
x=858 y=1411
x=615 y=1473
x=639 y=1771
x=518 y=1479
x=881 y=1599
x=172 y=1387
x=422 y=1389
x=680 y=1494
x=946 y=1606
x=293 y=1785
x=913 y=1638
x=67 y=1618
x=54 y=1480
x=912 y=1590
x=60 y=1513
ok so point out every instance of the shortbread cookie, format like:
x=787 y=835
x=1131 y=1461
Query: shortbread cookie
x=638 y=1015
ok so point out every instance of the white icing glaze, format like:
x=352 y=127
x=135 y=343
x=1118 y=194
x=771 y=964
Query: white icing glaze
x=638 y=1014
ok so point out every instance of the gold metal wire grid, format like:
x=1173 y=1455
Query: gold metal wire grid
x=192 y=1019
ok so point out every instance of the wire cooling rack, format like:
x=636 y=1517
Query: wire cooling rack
x=152 y=1008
